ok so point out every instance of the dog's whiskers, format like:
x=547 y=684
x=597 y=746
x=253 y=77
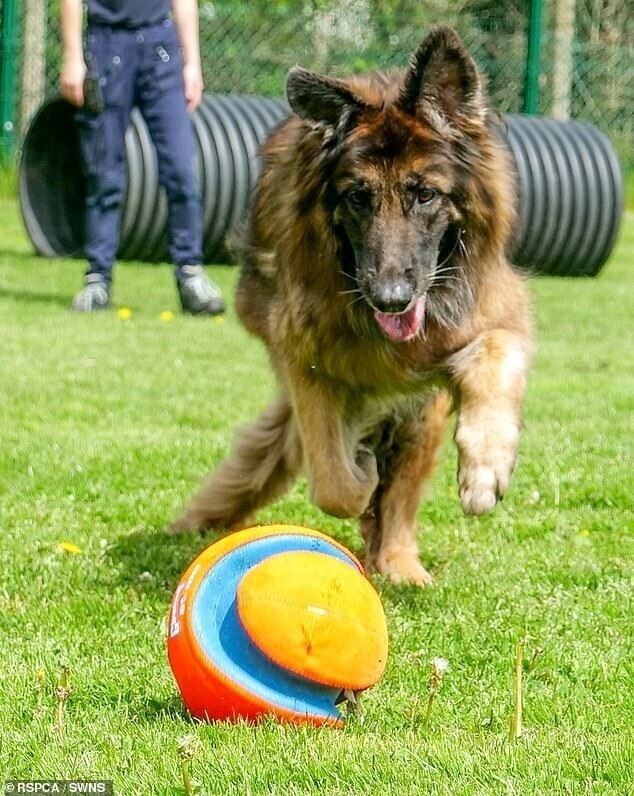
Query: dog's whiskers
x=448 y=272
x=463 y=249
x=449 y=275
x=349 y=276
x=355 y=301
x=447 y=268
x=442 y=278
x=422 y=331
x=453 y=249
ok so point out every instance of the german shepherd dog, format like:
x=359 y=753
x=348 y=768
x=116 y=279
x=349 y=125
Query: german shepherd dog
x=375 y=271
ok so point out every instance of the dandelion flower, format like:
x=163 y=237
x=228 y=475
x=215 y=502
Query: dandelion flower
x=440 y=665
x=69 y=547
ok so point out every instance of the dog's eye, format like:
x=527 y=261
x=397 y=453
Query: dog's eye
x=359 y=199
x=425 y=195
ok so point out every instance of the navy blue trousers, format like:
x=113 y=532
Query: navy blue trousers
x=141 y=67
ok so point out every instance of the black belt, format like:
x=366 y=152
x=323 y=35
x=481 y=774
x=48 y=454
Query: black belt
x=99 y=25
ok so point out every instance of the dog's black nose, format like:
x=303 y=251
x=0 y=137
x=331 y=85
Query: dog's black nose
x=393 y=295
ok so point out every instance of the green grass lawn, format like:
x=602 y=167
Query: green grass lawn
x=107 y=426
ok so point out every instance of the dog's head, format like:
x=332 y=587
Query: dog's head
x=402 y=160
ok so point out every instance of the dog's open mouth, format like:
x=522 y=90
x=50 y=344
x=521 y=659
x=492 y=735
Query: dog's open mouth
x=402 y=326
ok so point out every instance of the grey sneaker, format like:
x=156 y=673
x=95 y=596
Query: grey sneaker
x=95 y=295
x=198 y=294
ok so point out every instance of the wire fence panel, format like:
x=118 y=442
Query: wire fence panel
x=586 y=55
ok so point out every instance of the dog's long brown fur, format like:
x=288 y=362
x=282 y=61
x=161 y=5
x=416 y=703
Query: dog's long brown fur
x=375 y=271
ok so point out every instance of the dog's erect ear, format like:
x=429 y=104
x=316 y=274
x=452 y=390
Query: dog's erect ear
x=320 y=99
x=442 y=72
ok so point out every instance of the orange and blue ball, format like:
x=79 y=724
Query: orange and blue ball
x=275 y=620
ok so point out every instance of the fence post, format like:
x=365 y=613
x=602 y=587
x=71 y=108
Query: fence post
x=531 y=80
x=563 y=58
x=7 y=76
x=33 y=82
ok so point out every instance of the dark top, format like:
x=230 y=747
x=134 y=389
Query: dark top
x=128 y=13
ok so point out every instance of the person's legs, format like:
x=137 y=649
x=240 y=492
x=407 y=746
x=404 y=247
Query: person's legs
x=112 y=56
x=161 y=99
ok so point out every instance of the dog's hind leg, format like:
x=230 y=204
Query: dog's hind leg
x=265 y=460
x=404 y=468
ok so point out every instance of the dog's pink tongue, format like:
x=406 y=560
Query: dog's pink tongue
x=402 y=326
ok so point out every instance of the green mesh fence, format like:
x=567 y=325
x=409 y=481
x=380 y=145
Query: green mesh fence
x=586 y=60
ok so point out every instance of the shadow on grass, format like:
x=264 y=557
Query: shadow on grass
x=155 y=560
x=153 y=710
x=18 y=254
x=34 y=297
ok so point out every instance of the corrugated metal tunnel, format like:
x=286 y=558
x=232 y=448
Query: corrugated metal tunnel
x=570 y=186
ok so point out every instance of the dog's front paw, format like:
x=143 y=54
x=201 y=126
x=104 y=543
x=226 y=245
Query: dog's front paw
x=339 y=502
x=479 y=490
x=347 y=491
x=402 y=565
x=185 y=524
x=484 y=474
x=193 y=520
